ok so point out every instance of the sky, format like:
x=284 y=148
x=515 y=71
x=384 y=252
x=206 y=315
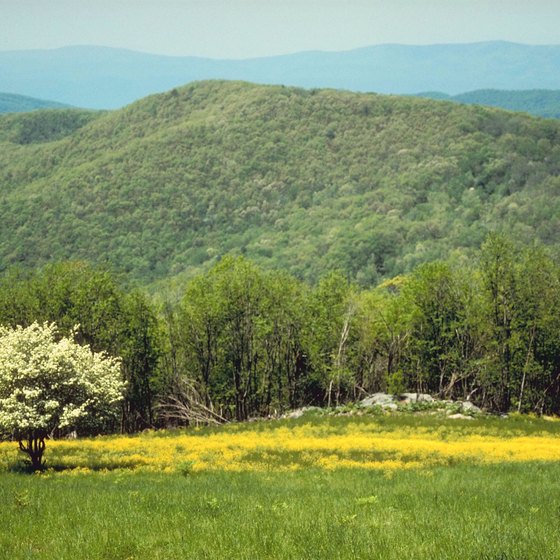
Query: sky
x=254 y=28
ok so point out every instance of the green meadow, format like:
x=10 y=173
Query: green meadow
x=460 y=510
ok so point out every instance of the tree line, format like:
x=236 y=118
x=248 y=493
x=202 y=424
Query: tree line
x=245 y=342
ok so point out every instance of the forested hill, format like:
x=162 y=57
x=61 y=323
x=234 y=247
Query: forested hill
x=304 y=180
x=46 y=125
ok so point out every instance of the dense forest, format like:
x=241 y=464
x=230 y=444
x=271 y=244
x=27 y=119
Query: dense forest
x=304 y=247
x=309 y=181
x=47 y=125
x=244 y=341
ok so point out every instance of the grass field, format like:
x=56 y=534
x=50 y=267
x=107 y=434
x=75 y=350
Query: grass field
x=387 y=487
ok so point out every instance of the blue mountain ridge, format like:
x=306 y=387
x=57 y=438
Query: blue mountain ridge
x=105 y=78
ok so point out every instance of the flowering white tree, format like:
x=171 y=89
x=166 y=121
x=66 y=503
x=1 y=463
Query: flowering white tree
x=49 y=382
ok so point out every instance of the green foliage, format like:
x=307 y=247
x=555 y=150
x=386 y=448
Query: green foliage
x=332 y=313
x=185 y=468
x=47 y=125
x=250 y=342
x=305 y=181
x=395 y=382
x=88 y=303
x=442 y=343
x=245 y=342
x=140 y=345
x=238 y=333
x=257 y=342
x=522 y=290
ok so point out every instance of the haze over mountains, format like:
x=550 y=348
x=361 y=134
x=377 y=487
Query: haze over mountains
x=103 y=78
x=13 y=103
x=539 y=102
x=303 y=180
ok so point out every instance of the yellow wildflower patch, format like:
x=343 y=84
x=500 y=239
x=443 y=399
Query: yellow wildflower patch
x=282 y=448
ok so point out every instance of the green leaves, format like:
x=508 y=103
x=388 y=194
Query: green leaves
x=87 y=303
x=238 y=334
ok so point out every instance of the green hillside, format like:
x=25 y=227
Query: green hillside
x=306 y=180
x=43 y=126
x=13 y=103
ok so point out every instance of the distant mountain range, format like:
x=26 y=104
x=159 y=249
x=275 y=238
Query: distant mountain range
x=539 y=102
x=103 y=78
x=12 y=103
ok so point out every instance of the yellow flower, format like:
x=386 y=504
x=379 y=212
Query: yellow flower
x=285 y=449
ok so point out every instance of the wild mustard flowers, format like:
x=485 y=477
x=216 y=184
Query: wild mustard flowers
x=283 y=448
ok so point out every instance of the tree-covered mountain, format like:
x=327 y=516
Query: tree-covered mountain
x=104 y=78
x=305 y=180
x=12 y=103
x=539 y=102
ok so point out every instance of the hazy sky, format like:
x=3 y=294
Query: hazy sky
x=246 y=28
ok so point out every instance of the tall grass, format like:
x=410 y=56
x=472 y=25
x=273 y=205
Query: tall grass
x=464 y=510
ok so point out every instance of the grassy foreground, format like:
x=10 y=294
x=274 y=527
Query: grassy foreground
x=482 y=489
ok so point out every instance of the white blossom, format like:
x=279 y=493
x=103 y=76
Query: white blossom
x=49 y=382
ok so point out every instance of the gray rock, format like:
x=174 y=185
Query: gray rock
x=415 y=397
x=299 y=412
x=379 y=399
x=470 y=407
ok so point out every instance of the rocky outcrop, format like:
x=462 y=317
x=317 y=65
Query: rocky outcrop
x=470 y=407
x=415 y=397
x=455 y=409
x=378 y=399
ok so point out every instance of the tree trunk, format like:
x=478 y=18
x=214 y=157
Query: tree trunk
x=525 y=368
x=34 y=446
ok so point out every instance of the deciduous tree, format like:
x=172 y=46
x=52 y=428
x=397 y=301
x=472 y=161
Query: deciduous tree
x=49 y=383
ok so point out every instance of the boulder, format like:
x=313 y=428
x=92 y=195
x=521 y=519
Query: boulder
x=299 y=412
x=470 y=407
x=415 y=397
x=378 y=399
